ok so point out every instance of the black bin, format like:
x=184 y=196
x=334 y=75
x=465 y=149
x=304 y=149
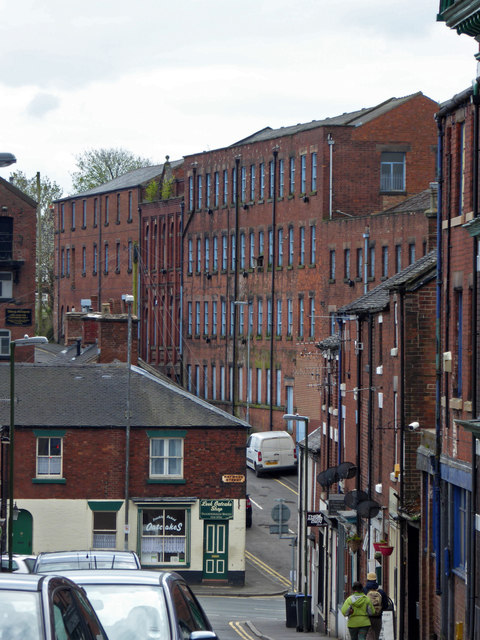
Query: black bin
x=290 y=609
x=300 y=599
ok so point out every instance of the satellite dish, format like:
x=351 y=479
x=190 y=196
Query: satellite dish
x=346 y=470
x=353 y=498
x=368 y=509
x=328 y=477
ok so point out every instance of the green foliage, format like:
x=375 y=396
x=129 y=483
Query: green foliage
x=151 y=192
x=98 y=166
x=167 y=188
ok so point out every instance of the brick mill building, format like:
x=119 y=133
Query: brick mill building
x=280 y=230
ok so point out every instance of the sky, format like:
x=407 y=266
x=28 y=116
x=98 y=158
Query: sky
x=175 y=77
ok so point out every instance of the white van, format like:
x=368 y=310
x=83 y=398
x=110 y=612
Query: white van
x=271 y=451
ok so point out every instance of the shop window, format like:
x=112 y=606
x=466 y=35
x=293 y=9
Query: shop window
x=104 y=529
x=163 y=536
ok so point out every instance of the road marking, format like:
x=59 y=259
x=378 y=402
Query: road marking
x=256 y=504
x=236 y=626
x=286 y=486
x=267 y=568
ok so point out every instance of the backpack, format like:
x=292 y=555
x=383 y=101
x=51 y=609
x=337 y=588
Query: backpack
x=376 y=599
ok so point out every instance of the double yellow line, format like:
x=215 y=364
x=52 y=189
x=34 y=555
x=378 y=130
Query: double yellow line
x=242 y=632
x=263 y=566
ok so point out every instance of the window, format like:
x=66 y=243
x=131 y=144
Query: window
x=222 y=382
x=4 y=342
x=290 y=246
x=278 y=374
x=62 y=218
x=268 y=386
x=289 y=316
x=314 y=171
x=205 y=318
x=243 y=186
x=104 y=529
x=460 y=527
x=313 y=249
x=164 y=539
x=269 y=317
x=223 y=328
x=189 y=318
x=232 y=316
x=261 y=242
x=214 y=318
x=117 y=258
x=118 y=208
x=107 y=209
x=84 y=214
x=197 y=380
x=457 y=378
x=95 y=259
x=214 y=381
x=6 y=290
x=411 y=253
x=68 y=263
x=130 y=206
x=84 y=260
x=199 y=191
x=346 y=263
x=197 y=318
x=302 y=245
x=234 y=184
x=301 y=317
x=392 y=171
x=371 y=262
x=312 y=317
x=259 y=316
x=216 y=188
x=303 y=173
x=270 y=247
x=189 y=378
x=62 y=265
x=384 y=262
x=215 y=253
x=106 y=258
x=49 y=456
x=242 y=250
x=73 y=216
x=190 y=193
x=95 y=212
x=291 y=176
x=252 y=250
x=359 y=263
x=241 y=320
x=225 y=186
x=259 y=386
x=6 y=238
x=233 y=251
x=461 y=168
x=207 y=254
x=205 y=381
x=130 y=255
x=279 y=317
x=224 y=253
x=262 y=180
x=199 y=255
x=252 y=182
x=271 y=183
x=281 y=169
x=280 y=248
x=166 y=457
x=250 y=317
x=208 y=186
x=332 y=264
x=398 y=258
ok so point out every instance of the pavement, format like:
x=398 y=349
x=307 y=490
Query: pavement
x=259 y=584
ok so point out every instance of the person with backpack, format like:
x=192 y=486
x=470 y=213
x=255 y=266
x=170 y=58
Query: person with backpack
x=379 y=600
x=358 y=609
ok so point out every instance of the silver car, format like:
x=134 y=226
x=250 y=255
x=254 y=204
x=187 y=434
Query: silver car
x=144 y=605
x=60 y=561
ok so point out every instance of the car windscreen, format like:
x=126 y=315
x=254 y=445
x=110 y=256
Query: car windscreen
x=50 y=564
x=20 y=615
x=130 y=611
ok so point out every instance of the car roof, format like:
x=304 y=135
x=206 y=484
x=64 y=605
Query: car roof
x=265 y=435
x=120 y=576
x=20 y=581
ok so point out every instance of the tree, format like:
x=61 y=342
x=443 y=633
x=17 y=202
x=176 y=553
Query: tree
x=98 y=166
x=45 y=192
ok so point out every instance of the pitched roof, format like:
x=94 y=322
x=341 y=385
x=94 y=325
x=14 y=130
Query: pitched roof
x=93 y=395
x=378 y=298
x=129 y=180
x=352 y=119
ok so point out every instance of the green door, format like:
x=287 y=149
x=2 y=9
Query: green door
x=215 y=553
x=22 y=533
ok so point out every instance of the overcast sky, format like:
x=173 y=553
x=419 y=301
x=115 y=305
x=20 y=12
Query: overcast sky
x=175 y=77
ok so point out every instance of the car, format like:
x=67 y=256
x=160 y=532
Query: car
x=20 y=563
x=248 y=512
x=45 y=607
x=59 y=561
x=271 y=451
x=144 y=604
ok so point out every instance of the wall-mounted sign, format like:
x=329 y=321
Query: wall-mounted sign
x=18 y=317
x=233 y=478
x=315 y=519
x=216 y=509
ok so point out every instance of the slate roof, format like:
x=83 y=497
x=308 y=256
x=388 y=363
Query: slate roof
x=352 y=119
x=89 y=395
x=378 y=298
x=129 y=180
x=420 y=202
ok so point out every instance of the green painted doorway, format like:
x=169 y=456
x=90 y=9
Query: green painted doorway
x=22 y=533
x=215 y=553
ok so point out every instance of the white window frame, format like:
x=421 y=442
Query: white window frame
x=56 y=473
x=166 y=457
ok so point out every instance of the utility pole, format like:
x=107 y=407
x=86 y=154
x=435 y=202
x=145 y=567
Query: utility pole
x=39 y=256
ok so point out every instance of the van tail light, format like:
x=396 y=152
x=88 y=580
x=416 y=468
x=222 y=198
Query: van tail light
x=259 y=456
x=295 y=453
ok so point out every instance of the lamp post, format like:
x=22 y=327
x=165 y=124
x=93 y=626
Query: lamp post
x=129 y=302
x=6 y=159
x=11 y=509
x=304 y=419
x=247 y=414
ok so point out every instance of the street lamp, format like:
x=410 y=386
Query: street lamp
x=6 y=159
x=304 y=419
x=129 y=301
x=11 y=508
x=247 y=414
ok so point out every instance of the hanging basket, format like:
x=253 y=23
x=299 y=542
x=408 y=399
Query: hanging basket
x=378 y=545
x=386 y=550
x=355 y=545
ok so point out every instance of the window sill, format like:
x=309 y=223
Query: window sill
x=400 y=192
x=49 y=481
x=166 y=481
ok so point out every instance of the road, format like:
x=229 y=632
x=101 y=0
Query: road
x=270 y=553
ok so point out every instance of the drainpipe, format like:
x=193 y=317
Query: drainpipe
x=438 y=374
x=182 y=255
x=358 y=422
x=366 y=237
x=370 y=402
x=99 y=254
x=401 y=613
x=274 y=233
x=235 y=290
x=331 y=142
x=339 y=392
